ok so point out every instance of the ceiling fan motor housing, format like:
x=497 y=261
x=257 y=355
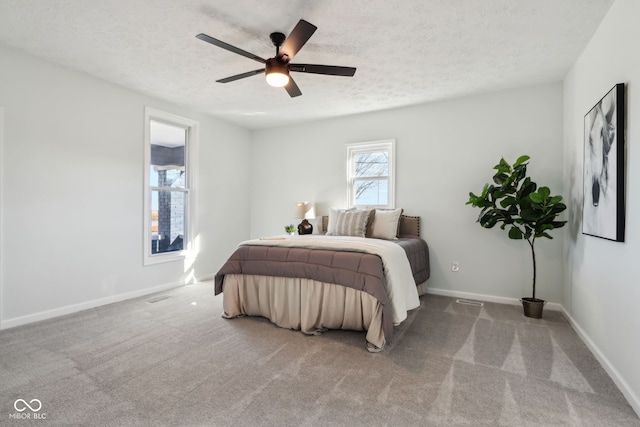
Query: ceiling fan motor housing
x=276 y=65
x=277 y=39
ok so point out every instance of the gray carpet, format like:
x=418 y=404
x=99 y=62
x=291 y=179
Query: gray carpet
x=178 y=363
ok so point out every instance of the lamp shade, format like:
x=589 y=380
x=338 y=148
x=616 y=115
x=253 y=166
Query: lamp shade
x=298 y=212
x=305 y=210
x=310 y=212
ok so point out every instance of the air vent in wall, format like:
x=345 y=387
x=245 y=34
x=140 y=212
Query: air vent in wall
x=469 y=302
x=158 y=299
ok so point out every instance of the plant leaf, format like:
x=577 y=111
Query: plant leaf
x=515 y=233
x=544 y=192
x=536 y=197
x=555 y=200
x=521 y=160
x=508 y=201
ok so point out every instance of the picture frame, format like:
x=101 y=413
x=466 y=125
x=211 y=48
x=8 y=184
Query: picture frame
x=603 y=211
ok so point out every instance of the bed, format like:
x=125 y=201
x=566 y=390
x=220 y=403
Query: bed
x=347 y=278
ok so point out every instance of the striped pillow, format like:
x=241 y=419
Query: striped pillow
x=351 y=223
x=334 y=213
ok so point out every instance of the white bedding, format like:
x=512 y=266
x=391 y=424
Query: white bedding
x=401 y=287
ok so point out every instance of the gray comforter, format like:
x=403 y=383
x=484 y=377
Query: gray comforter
x=361 y=271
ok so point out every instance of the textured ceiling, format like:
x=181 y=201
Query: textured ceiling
x=406 y=52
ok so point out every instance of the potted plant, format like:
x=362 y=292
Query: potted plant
x=527 y=212
x=291 y=229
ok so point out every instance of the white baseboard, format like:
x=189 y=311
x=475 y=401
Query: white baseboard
x=73 y=308
x=487 y=298
x=628 y=393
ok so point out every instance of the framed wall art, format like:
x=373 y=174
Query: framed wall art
x=603 y=213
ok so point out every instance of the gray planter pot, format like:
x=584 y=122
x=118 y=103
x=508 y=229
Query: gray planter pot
x=533 y=307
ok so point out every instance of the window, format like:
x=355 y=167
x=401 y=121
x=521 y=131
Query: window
x=371 y=174
x=168 y=221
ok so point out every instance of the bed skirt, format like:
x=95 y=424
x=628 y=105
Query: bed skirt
x=305 y=305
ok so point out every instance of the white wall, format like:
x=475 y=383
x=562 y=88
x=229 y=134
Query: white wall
x=602 y=286
x=444 y=150
x=72 y=192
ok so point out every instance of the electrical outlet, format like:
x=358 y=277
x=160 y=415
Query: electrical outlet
x=455 y=266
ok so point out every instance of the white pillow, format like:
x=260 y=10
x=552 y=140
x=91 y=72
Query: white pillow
x=385 y=224
x=333 y=219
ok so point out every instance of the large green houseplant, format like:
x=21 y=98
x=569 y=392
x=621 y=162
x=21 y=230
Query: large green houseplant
x=527 y=212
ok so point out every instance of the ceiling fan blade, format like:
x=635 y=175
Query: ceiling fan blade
x=241 y=76
x=298 y=37
x=331 y=70
x=292 y=88
x=230 y=48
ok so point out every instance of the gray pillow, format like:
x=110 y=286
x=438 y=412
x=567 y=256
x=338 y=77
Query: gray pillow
x=334 y=213
x=351 y=223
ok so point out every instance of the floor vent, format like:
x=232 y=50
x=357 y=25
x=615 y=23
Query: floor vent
x=468 y=302
x=158 y=299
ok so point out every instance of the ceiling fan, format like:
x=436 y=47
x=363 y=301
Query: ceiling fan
x=277 y=68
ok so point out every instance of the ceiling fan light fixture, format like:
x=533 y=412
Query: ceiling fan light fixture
x=277 y=79
x=277 y=73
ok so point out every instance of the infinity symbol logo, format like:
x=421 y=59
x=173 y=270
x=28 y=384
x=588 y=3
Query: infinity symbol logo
x=21 y=405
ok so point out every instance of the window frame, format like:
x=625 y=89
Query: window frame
x=388 y=146
x=191 y=146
